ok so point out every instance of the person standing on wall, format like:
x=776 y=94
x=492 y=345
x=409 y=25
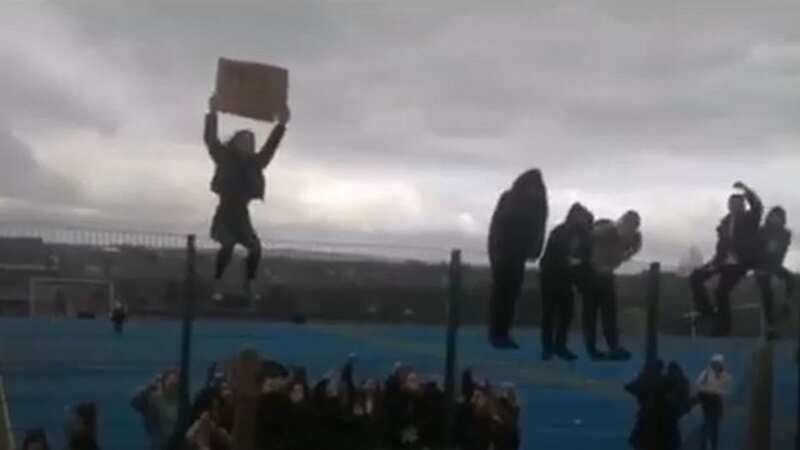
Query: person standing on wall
x=613 y=243
x=516 y=236
x=568 y=250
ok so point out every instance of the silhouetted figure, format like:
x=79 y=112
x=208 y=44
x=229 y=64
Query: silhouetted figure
x=773 y=243
x=677 y=404
x=35 y=440
x=565 y=258
x=516 y=235
x=82 y=430
x=118 y=315
x=613 y=243
x=713 y=384
x=736 y=254
x=648 y=388
x=238 y=179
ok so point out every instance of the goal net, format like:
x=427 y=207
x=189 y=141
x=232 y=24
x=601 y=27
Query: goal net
x=70 y=297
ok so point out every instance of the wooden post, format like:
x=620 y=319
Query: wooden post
x=453 y=313
x=652 y=312
x=759 y=429
x=797 y=360
x=246 y=390
x=186 y=346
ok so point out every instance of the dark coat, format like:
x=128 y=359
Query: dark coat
x=744 y=242
x=773 y=243
x=237 y=175
x=518 y=225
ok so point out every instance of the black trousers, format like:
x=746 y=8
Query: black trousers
x=764 y=281
x=729 y=277
x=599 y=299
x=712 y=416
x=507 y=278
x=558 y=303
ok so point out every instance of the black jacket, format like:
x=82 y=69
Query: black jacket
x=517 y=228
x=238 y=175
x=773 y=243
x=744 y=242
x=566 y=242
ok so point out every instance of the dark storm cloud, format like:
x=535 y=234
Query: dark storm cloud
x=24 y=178
x=623 y=104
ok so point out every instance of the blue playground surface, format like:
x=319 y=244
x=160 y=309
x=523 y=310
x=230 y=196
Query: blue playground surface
x=50 y=364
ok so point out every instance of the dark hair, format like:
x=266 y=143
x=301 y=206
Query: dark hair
x=36 y=435
x=529 y=178
x=736 y=197
x=633 y=215
x=577 y=210
x=779 y=211
x=674 y=369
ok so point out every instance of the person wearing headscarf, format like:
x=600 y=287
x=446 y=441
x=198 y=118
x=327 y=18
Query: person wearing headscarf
x=516 y=236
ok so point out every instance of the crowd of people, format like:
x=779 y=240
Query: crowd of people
x=279 y=408
x=666 y=397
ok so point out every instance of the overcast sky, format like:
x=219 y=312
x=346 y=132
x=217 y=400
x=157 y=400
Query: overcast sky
x=409 y=119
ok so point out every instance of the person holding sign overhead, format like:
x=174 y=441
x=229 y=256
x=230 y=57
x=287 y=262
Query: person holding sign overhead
x=239 y=171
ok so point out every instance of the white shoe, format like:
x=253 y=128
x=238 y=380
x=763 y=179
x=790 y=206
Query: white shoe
x=217 y=297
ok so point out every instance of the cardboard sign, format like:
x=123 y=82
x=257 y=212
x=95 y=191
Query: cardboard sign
x=252 y=90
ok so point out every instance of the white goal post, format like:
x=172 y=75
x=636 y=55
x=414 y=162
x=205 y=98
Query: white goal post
x=49 y=281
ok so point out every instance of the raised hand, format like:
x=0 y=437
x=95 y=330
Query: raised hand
x=284 y=116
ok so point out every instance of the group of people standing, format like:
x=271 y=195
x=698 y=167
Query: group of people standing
x=580 y=254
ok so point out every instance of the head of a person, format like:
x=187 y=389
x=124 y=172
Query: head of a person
x=297 y=393
x=83 y=421
x=655 y=367
x=776 y=217
x=508 y=392
x=529 y=184
x=272 y=384
x=371 y=386
x=674 y=370
x=243 y=141
x=170 y=382
x=579 y=216
x=412 y=382
x=629 y=223
x=717 y=363
x=35 y=440
x=480 y=400
x=359 y=408
x=736 y=204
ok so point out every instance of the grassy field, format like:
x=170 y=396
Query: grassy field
x=51 y=364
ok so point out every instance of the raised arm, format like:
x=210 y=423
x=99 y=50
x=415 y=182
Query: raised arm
x=267 y=152
x=753 y=200
x=214 y=146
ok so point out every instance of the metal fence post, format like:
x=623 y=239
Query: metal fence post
x=453 y=313
x=652 y=312
x=186 y=344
